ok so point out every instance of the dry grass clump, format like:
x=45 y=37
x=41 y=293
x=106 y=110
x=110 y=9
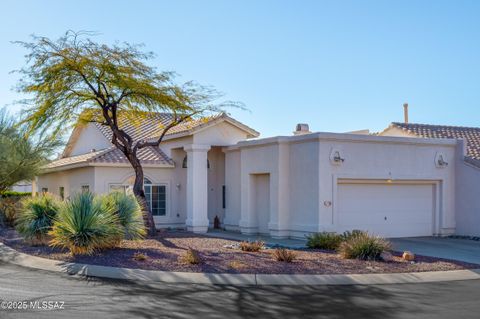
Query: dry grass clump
x=138 y=256
x=191 y=256
x=251 y=246
x=285 y=255
x=236 y=264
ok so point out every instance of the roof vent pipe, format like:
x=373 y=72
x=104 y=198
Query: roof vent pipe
x=405 y=113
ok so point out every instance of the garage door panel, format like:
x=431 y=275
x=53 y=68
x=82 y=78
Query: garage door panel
x=391 y=210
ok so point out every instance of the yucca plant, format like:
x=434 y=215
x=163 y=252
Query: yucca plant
x=128 y=212
x=83 y=225
x=35 y=218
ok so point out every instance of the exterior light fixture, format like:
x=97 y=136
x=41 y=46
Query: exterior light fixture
x=337 y=158
x=440 y=161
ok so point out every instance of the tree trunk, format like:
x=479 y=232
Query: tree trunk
x=142 y=200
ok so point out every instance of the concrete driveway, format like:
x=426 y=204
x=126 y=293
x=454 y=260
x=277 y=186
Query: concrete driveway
x=450 y=248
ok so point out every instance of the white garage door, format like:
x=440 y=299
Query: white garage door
x=390 y=210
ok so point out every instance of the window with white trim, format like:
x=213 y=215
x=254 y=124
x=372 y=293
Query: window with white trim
x=156 y=198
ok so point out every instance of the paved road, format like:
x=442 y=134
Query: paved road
x=97 y=298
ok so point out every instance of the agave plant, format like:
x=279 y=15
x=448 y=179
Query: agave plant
x=35 y=219
x=128 y=212
x=84 y=226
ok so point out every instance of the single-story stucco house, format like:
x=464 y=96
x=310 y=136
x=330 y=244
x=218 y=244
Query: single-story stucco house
x=408 y=180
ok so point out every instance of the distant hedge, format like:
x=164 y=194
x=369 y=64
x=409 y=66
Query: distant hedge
x=14 y=194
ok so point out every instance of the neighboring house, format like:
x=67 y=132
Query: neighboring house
x=284 y=186
x=23 y=186
x=467 y=170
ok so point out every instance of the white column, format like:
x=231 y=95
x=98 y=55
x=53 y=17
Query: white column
x=197 y=188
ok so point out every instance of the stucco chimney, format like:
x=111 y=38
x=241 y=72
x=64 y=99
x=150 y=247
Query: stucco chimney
x=405 y=113
x=301 y=128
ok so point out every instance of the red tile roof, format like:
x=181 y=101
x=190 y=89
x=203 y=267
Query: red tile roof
x=151 y=125
x=471 y=135
x=112 y=155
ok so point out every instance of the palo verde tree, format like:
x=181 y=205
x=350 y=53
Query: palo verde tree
x=75 y=78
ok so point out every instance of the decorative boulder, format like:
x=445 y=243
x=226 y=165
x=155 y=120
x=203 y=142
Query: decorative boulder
x=408 y=256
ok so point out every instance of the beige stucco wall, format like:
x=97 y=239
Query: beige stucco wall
x=303 y=179
x=221 y=134
x=232 y=190
x=397 y=158
x=90 y=138
x=216 y=179
x=170 y=177
x=72 y=181
x=467 y=196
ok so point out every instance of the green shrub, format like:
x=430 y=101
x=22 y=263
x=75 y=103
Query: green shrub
x=84 y=226
x=128 y=211
x=324 y=240
x=6 y=194
x=349 y=234
x=35 y=219
x=364 y=246
x=252 y=245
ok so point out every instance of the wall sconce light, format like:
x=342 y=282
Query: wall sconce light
x=336 y=157
x=440 y=160
x=178 y=187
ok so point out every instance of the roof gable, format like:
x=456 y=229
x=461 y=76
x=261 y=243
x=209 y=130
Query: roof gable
x=84 y=139
x=151 y=126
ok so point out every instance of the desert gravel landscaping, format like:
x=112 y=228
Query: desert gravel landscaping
x=165 y=250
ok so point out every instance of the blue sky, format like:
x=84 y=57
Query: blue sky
x=337 y=65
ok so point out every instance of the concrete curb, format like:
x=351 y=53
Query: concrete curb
x=12 y=256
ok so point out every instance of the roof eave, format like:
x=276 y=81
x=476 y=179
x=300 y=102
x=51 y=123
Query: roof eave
x=89 y=164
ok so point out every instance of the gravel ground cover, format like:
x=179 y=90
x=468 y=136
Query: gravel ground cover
x=164 y=252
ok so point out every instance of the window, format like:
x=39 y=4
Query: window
x=44 y=190
x=85 y=188
x=156 y=198
x=155 y=194
x=61 y=192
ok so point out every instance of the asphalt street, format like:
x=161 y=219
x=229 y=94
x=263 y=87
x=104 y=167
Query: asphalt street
x=100 y=298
